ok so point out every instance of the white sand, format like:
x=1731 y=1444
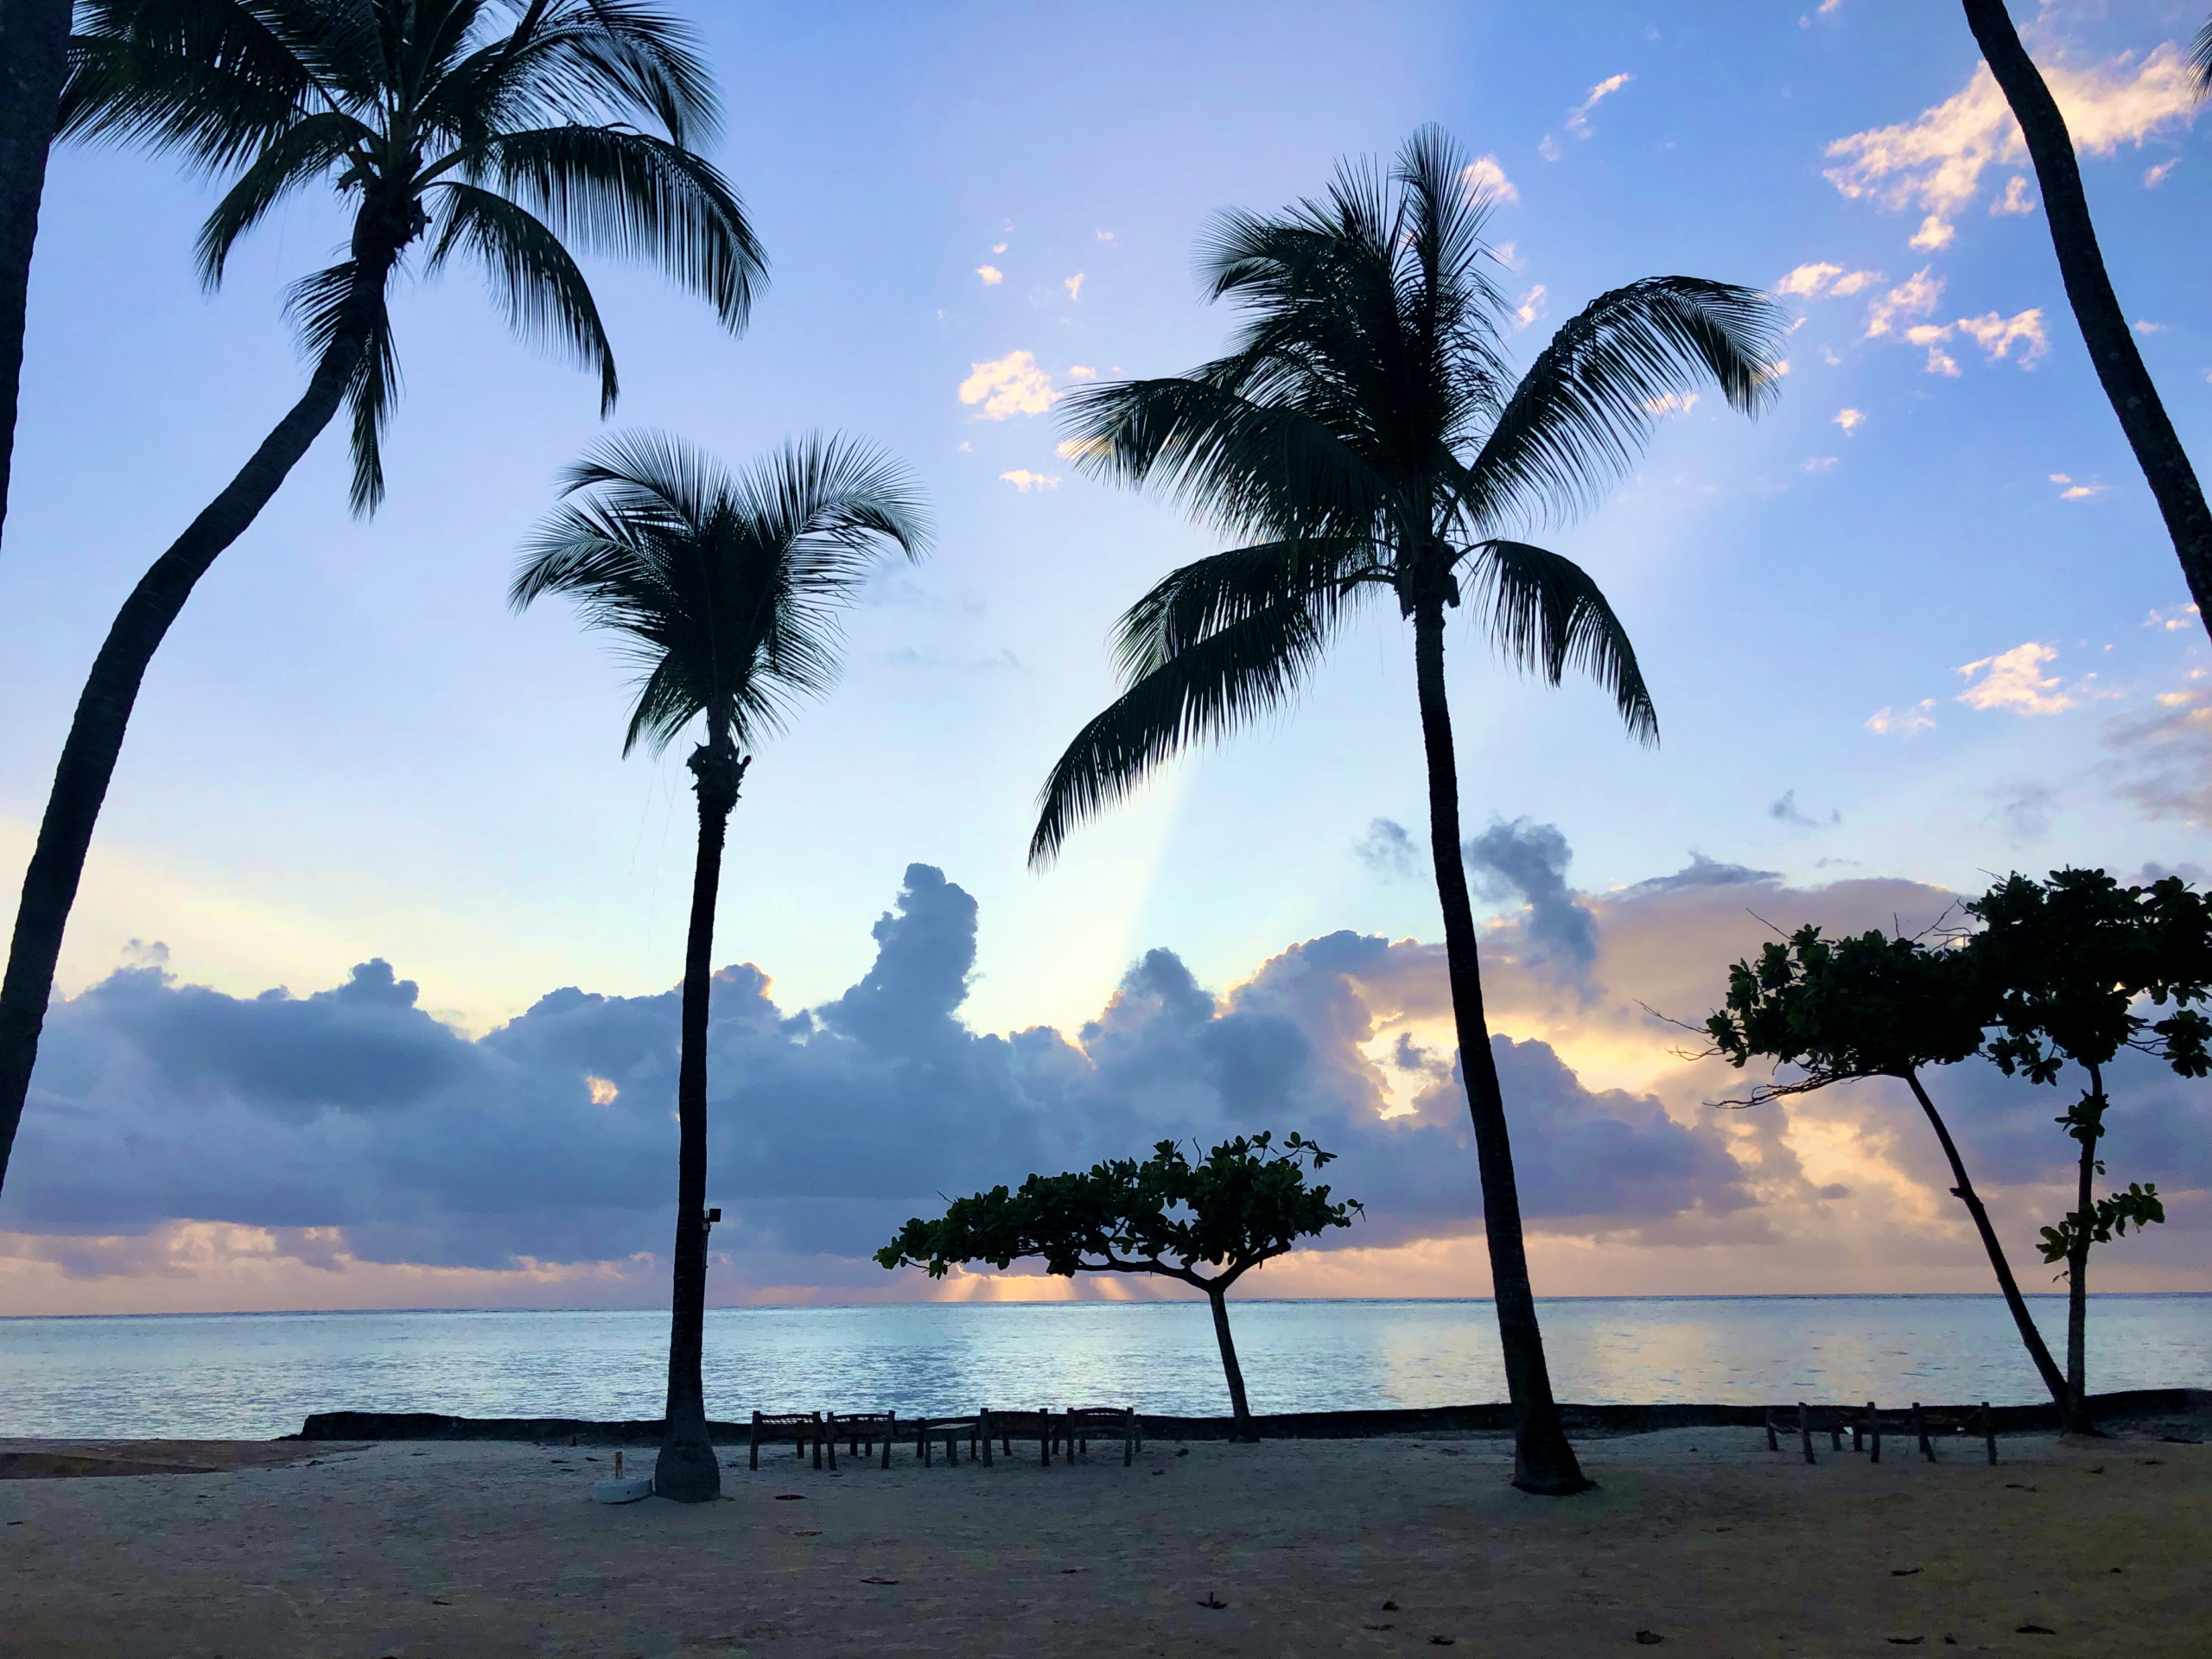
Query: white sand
x=1699 y=1535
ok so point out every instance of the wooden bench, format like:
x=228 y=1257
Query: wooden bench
x=801 y=1428
x=1003 y=1426
x=1922 y=1423
x=859 y=1429
x=1107 y=1422
x=928 y=1431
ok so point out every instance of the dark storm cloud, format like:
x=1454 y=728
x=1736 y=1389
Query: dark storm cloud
x=552 y=1139
x=1528 y=861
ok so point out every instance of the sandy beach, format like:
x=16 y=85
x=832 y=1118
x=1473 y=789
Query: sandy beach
x=1700 y=1537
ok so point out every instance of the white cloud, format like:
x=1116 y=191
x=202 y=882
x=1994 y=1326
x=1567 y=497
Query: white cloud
x=2060 y=478
x=1828 y=6
x=1508 y=254
x=1074 y=286
x=2014 y=679
x=1849 y=420
x=1781 y=367
x=998 y=247
x=2172 y=621
x=1076 y=449
x=2015 y=199
x=1578 y=119
x=1546 y=148
x=603 y=1091
x=992 y=275
x=1484 y=176
x=1082 y=372
x=1808 y=279
x=2143 y=327
x=1941 y=362
x=1829 y=357
x=1532 y=305
x=1908 y=721
x=1996 y=335
x=1674 y=403
x=1012 y=385
x=1820 y=463
x=2155 y=176
x=967 y=448
x=1934 y=232
x=1915 y=297
x=1105 y=236
x=1935 y=161
x=2076 y=491
x=1846 y=286
x=1025 y=481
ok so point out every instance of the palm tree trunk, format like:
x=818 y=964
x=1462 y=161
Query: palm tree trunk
x=1246 y=1433
x=2077 y=1267
x=95 y=741
x=1542 y=1460
x=2038 y=1351
x=687 y=1470
x=2096 y=308
x=33 y=62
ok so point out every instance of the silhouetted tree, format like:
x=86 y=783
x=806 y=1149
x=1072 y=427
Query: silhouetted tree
x=726 y=591
x=34 y=61
x=1365 y=437
x=435 y=125
x=2104 y=326
x=2061 y=965
x=1245 y=1205
x=1871 y=1007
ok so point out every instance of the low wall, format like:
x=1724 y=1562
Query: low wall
x=1583 y=1422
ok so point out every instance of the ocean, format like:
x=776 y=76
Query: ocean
x=251 y=1376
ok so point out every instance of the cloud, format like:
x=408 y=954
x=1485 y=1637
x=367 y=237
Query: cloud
x=1702 y=872
x=1818 y=464
x=2014 y=680
x=2024 y=811
x=1012 y=385
x=1528 y=861
x=992 y=275
x=1082 y=372
x=2170 y=621
x=1997 y=335
x=2165 y=759
x=1388 y=850
x=2155 y=176
x=1849 y=419
x=1788 y=811
x=2076 y=491
x=1934 y=232
x=1673 y=403
x=1578 y=119
x=2015 y=199
x=2143 y=327
x=1908 y=721
x=1074 y=286
x=1546 y=148
x=1025 y=481
x=1533 y=306
x=1105 y=236
x=1936 y=162
x=1808 y=282
x=1915 y=297
x=1484 y=176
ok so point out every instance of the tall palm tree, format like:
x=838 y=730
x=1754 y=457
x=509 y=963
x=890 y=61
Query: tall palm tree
x=475 y=130
x=724 y=590
x=2119 y=362
x=33 y=62
x=1365 y=436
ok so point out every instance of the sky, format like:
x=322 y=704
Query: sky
x=367 y=999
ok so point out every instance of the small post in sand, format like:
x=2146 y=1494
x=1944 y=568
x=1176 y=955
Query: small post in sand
x=1920 y=1427
x=1989 y=1431
x=1805 y=1431
x=1772 y=1444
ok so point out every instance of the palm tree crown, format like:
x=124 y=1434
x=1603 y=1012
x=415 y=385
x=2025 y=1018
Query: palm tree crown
x=726 y=588
x=502 y=132
x=1365 y=433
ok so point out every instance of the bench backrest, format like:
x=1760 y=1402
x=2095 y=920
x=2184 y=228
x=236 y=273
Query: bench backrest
x=786 y=1419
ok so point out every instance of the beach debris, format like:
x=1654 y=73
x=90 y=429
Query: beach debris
x=1648 y=1638
x=2099 y=1470
x=1904 y=1641
x=2150 y=1463
x=1386 y=1625
x=1903 y=1572
x=791 y=1498
x=1389 y=1606
x=2035 y=1630
x=1184 y=1452
x=1213 y=1601
x=622 y=1489
x=813 y=1532
x=1724 y=1529
x=1071 y=1569
x=879 y=1580
x=1442 y=1641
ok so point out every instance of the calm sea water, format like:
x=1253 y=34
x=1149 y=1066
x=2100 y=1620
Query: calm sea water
x=249 y=1376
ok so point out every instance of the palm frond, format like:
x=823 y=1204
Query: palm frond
x=582 y=61
x=293 y=158
x=1584 y=408
x=1216 y=592
x=1546 y=615
x=630 y=195
x=1235 y=676
x=547 y=300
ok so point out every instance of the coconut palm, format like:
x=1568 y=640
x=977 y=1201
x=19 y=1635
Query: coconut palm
x=1365 y=437
x=724 y=590
x=492 y=134
x=2120 y=369
x=33 y=62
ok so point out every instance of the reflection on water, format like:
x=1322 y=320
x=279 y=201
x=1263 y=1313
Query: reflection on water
x=255 y=1374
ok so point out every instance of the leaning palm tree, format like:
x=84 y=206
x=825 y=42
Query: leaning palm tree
x=726 y=591
x=1364 y=435
x=496 y=134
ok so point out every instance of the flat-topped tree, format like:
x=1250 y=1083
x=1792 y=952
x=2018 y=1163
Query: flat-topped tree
x=1246 y=1204
x=2063 y=963
x=724 y=590
x=1365 y=439
x=1871 y=1007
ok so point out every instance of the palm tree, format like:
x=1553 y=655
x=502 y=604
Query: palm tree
x=33 y=62
x=1364 y=435
x=436 y=127
x=724 y=590
x=2120 y=371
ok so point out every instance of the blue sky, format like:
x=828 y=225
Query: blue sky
x=349 y=750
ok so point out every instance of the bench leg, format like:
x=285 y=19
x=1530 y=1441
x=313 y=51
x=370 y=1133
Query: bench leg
x=1805 y=1431
x=1989 y=1432
x=1772 y=1444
